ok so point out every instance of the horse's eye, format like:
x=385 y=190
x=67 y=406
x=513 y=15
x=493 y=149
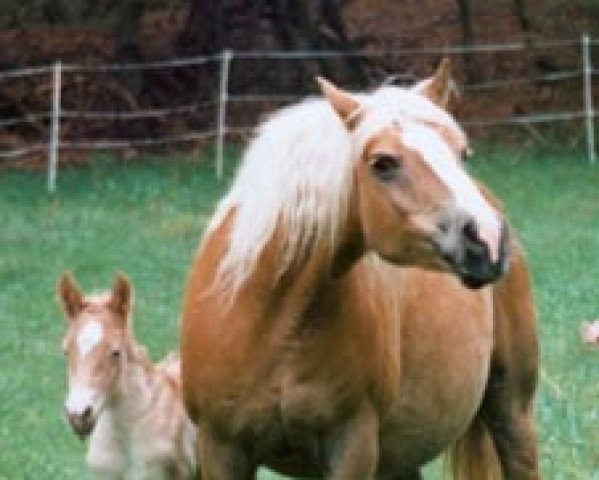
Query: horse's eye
x=115 y=354
x=385 y=166
x=465 y=154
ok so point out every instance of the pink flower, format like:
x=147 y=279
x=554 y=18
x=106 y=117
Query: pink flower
x=590 y=332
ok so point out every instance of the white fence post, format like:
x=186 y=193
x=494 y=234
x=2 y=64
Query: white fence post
x=55 y=128
x=589 y=113
x=226 y=58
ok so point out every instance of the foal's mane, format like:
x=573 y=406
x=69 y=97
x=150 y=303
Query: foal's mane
x=297 y=174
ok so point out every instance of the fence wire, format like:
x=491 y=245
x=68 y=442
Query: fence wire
x=51 y=120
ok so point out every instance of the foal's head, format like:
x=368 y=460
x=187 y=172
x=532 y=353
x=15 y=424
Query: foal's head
x=96 y=345
x=415 y=202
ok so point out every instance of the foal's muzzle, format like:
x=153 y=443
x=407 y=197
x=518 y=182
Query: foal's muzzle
x=82 y=423
x=469 y=255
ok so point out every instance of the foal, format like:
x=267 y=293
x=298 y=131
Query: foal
x=130 y=409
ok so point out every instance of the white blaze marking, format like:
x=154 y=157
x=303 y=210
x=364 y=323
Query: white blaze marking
x=89 y=336
x=465 y=193
x=80 y=397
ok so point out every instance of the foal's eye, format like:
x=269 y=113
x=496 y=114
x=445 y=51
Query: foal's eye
x=385 y=166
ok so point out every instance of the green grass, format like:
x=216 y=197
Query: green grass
x=145 y=218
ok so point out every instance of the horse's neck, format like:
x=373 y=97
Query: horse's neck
x=251 y=331
x=287 y=294
x=136 y=387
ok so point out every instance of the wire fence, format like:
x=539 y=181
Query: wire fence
x=225 y=99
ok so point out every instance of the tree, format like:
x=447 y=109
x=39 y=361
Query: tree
x=215 y=25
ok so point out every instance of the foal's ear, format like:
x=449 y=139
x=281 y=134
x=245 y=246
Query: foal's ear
x=70 y=295
x=440 y=88
x=121 y=298
x=346 y=106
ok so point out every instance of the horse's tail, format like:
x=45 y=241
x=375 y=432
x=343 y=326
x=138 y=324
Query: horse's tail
x=473 y=456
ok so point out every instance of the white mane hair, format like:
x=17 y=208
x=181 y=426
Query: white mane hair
x=297 y=172
x=395 y=105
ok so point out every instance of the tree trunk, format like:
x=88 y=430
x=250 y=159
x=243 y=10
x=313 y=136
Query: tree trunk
x=520 y=11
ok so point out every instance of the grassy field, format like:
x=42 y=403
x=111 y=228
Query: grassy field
x=145 y=219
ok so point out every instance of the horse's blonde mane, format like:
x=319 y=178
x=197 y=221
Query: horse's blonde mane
x=297 y=172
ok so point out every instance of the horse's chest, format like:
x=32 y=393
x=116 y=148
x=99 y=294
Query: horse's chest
x=293 y=411
x=445 y=364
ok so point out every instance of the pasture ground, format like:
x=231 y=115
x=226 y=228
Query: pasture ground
x=145 y=218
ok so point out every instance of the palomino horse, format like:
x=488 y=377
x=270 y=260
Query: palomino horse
x=340 y=321
x=131 y=409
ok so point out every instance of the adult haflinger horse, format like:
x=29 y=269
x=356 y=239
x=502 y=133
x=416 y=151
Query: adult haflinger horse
x=350 y=313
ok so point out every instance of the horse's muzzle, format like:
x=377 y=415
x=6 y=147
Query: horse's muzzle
x=472 y=260
x=82 y=423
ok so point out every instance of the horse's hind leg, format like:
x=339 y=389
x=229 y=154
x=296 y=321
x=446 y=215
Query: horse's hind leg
x=507 y=409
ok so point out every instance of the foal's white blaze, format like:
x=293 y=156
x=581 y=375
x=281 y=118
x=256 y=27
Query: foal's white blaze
x=466 y=195
x=80 y=398
x=89 y=336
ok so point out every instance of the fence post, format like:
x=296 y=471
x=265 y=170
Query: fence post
x=589 y=112
x=54 y=128
x=226 y=57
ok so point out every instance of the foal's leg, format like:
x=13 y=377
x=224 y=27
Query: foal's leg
x=354 y=447
x=221 y=459
x=507 y=408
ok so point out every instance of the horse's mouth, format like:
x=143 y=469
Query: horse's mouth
x=473 y=265
x=475 y=283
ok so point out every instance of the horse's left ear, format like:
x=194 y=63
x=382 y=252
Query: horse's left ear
x=346 y=106
x=121 y=299
x=440 y=88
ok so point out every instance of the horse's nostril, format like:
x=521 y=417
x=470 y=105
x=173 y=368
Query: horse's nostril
x=469 y=231
x=87 y=413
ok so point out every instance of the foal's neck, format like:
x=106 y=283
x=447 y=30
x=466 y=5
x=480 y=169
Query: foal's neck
x=136 y=385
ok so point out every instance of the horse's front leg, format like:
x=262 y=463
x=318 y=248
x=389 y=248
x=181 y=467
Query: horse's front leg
x=222 y=459
x=508 y=404
x=354 y=448
x=513 y=430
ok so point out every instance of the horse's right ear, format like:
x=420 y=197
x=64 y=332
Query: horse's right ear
x=70 y=295
x=121 y=299
x=346 y=106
